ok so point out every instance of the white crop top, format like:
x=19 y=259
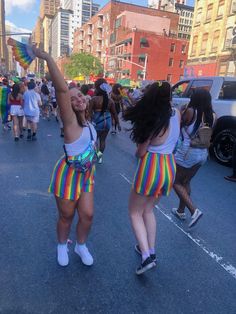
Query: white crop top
x=168 y=146
x=79 y=145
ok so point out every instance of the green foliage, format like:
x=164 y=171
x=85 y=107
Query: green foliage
x=83 y=64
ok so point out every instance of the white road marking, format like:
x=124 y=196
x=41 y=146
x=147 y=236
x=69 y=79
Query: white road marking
x=200 y=242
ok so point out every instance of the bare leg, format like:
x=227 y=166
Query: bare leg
x=85 y=212
x=21 y=125
x=150 y=222
x=102 y=139
x=137 y=204
x=15 y=126
x=66 y=211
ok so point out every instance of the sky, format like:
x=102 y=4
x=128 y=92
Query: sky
x=24 y=13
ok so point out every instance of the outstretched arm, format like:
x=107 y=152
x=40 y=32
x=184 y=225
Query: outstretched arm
x=61 y=89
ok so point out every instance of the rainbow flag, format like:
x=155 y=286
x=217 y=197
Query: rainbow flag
x=22 y=53
x=126 y=100
x=3 y=103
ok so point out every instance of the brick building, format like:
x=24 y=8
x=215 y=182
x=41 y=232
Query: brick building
x=137 y=31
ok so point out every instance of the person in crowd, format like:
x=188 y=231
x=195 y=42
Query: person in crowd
x=84 y=90
x=53 y=100
x=32 y=103
x=91 y=90
x=190 y=159
x=102 y=110
x=232 y=178
x=117 y=99
x=15 y=100
x=155 y=130
x=6 y=118
x=72 y=187
x=45 y=97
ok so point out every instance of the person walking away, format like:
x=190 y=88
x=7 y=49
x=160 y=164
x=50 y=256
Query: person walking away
x=45 y=93
x=117 y=99
x=32 y=102
x=155 y=130
x=102 y=110
x=15 y=100
x=189 y=158
x=232 y=178
x=72 y=180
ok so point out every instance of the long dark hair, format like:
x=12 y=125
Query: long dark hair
x=200 y=102
x=100 y=92
x=151 y=115
x=15 y=90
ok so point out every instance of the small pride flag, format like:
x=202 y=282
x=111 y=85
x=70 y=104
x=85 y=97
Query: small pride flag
x=3 y=103
x=22 y=53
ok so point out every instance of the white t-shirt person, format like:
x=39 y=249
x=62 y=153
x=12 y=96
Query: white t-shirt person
x=32 y=101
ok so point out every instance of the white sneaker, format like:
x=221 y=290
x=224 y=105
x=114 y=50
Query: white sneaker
x=62 y=254
x=99 y=154
x=181 y=216
x=195 y=217
x=84 y=254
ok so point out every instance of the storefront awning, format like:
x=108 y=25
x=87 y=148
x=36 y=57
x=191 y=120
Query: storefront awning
x=142 y=56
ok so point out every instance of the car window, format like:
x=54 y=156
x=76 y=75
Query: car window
x=205 y=84
x=228 y=91
x=179 y=89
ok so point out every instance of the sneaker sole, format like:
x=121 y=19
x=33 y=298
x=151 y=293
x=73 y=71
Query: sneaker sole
x=82 y=260
x=194 y=223
x=146 y=268
x=176 y=215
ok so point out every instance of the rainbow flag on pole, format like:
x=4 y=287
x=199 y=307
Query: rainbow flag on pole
x=22 y=53
x=3 y=103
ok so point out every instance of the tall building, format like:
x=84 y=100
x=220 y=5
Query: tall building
x=185 y=20
x=3 y=46
x=83 y=10
x=60 y=28
x=166 y=5
x=49 y=7
x=213 y=41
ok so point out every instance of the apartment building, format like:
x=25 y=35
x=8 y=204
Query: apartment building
x=166 y=5
x=83 y=10
x=212 y=46
x=185 y=21
x=49 y=7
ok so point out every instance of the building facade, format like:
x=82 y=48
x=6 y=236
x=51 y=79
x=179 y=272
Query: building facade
x=83 y=10
x=166 y=5
x=60 y=29
x=131 y=39
x=212 y=46
x=185 y=20
x=49 y=7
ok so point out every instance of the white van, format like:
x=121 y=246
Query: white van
x=223 y=93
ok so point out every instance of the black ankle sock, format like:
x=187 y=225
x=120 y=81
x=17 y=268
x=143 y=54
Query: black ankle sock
x=34 y=134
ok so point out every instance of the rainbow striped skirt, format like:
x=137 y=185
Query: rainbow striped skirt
x=155 y=174
x=67 y=183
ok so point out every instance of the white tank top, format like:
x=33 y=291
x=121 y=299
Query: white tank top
x=79 y=145
x=168 y=146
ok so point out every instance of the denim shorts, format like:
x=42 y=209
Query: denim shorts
x=188 y=157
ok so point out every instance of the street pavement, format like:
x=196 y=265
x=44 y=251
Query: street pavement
x=195 y=273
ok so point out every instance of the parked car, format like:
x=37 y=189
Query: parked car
x=223 y=93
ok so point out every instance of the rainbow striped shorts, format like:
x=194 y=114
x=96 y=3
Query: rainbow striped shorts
x=67 y=183
x=155 y=174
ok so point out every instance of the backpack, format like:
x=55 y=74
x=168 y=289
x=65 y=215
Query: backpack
x=202 y=138
x=44 y=89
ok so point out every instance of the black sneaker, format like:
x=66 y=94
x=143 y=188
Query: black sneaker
x=153 y=256
x=29 y=137
x=146 y=265
x=16 y=139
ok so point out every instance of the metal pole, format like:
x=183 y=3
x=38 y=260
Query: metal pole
x=145 y=67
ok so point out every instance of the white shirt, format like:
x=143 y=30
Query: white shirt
x=31 y=103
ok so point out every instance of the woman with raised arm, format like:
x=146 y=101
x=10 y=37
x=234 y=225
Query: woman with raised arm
x=155 y=130
x=72 y=180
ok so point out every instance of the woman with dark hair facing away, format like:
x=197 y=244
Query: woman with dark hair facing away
x=189 y=159
x=117 y=99
x=102 y=110
x=72 y=180
x=155 y=130
x=15 y=101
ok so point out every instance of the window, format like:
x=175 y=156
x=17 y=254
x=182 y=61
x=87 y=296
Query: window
x=198 y=16
x=171 y=62
x=118 y=23
x=233 y=7
x=228 y=91
x=223 y=69
x=179 y=90
x=169 y=77
x=194 y=46
x=231 y=69
x=209 y=12
x=215 y=42
x=204 y=42
x=220 y=11
x=172 y=47
x=183 y=49
x=228 y=38
x=181 y=64
x=205 y=84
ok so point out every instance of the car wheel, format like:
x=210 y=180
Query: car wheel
x=222 y=147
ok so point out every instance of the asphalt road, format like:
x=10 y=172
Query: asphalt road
x=196 y=273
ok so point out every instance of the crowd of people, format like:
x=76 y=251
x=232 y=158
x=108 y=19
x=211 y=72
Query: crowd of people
x=170 y=150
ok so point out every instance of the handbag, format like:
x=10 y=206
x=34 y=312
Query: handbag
x=85 y=160
x=202 y=138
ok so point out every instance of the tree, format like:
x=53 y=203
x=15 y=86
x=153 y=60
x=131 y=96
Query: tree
x=83 y=64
